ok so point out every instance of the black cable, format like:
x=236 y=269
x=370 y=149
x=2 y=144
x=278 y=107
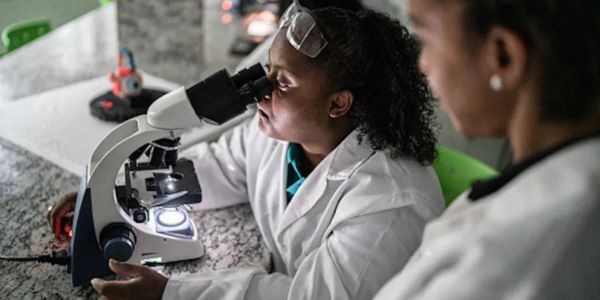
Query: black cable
x=56 y=258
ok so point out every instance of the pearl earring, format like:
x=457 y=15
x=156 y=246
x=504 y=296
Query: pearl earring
x=496 y=83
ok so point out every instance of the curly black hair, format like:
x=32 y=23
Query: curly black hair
x=353 y=5
x=376 y=59
x=562 y=39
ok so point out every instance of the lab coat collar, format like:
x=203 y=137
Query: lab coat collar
x=348 y=156
x=340 y=164
x=484 y=188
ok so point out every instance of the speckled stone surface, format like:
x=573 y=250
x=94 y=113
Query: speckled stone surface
x=27 y=186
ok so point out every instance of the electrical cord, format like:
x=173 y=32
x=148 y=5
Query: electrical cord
x=61 y=258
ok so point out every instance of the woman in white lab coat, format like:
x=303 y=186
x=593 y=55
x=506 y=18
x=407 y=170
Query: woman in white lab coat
x=530 y=71
x=334 y=166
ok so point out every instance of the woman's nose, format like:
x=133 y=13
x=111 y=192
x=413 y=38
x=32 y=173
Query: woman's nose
x=268 y=96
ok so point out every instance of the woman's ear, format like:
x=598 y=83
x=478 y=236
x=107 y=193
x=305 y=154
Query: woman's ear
x=340 y=103
x=506 y=58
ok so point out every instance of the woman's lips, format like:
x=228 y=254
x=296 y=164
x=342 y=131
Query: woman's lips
x=261 y=111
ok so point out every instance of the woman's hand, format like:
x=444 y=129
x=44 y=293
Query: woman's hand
x=60 y=216
x=143 y=283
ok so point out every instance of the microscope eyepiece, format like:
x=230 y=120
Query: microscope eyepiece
x=248 y=75
x=221 y=97
x=256 y=91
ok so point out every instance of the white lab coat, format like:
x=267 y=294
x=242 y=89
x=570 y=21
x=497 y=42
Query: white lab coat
x=350 y=227
x=516 y=242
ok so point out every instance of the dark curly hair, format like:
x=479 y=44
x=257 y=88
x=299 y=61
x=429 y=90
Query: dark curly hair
x=562 y=39
x=376 y=59
x=353 y=5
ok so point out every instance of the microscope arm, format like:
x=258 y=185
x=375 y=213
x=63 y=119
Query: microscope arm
x=98 y=213
x=108 y=159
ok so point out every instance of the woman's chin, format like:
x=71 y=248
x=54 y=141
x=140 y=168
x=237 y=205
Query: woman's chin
x=267 y=129
x=265 y=126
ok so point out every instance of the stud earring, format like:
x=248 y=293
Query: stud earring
x=496 y=83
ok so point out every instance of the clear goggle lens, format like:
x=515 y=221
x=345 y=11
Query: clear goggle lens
x=302 y=30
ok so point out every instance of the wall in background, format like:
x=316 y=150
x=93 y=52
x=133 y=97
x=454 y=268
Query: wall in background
x=58 y=11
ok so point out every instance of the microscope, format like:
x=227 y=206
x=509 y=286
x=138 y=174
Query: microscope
x=132 y=198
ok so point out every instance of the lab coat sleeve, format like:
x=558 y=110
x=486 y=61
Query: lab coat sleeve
x=225 y=284
x=221 y=168
x=356 y=259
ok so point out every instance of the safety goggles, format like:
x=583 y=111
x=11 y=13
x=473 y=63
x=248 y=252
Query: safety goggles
x=302 y=30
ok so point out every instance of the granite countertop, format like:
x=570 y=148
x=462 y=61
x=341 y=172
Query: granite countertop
x=28 y=184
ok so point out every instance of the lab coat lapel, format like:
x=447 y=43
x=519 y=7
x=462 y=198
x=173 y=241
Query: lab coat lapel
x=307 y=195
x=338 y=165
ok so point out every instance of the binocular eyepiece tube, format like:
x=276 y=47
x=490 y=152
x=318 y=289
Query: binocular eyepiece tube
x=221 y=97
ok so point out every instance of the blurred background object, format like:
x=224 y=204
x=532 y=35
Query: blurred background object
x=21 y=33
x=458 y=171
x=256 y=20
x=57 y=12
x=128 y=97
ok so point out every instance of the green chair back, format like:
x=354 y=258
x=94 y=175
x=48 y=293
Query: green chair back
x=19 y=34
x=457 y=171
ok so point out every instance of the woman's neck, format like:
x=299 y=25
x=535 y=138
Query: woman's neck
x=325 y=142
x=529 y=134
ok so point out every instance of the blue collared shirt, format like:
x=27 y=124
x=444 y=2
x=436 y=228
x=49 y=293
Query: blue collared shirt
x=294 y=176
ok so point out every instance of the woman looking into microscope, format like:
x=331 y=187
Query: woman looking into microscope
x=334 y=166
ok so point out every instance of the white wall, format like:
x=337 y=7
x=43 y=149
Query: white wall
x=58 y=11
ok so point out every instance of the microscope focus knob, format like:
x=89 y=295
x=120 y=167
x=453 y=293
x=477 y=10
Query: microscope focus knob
x=117 y=241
